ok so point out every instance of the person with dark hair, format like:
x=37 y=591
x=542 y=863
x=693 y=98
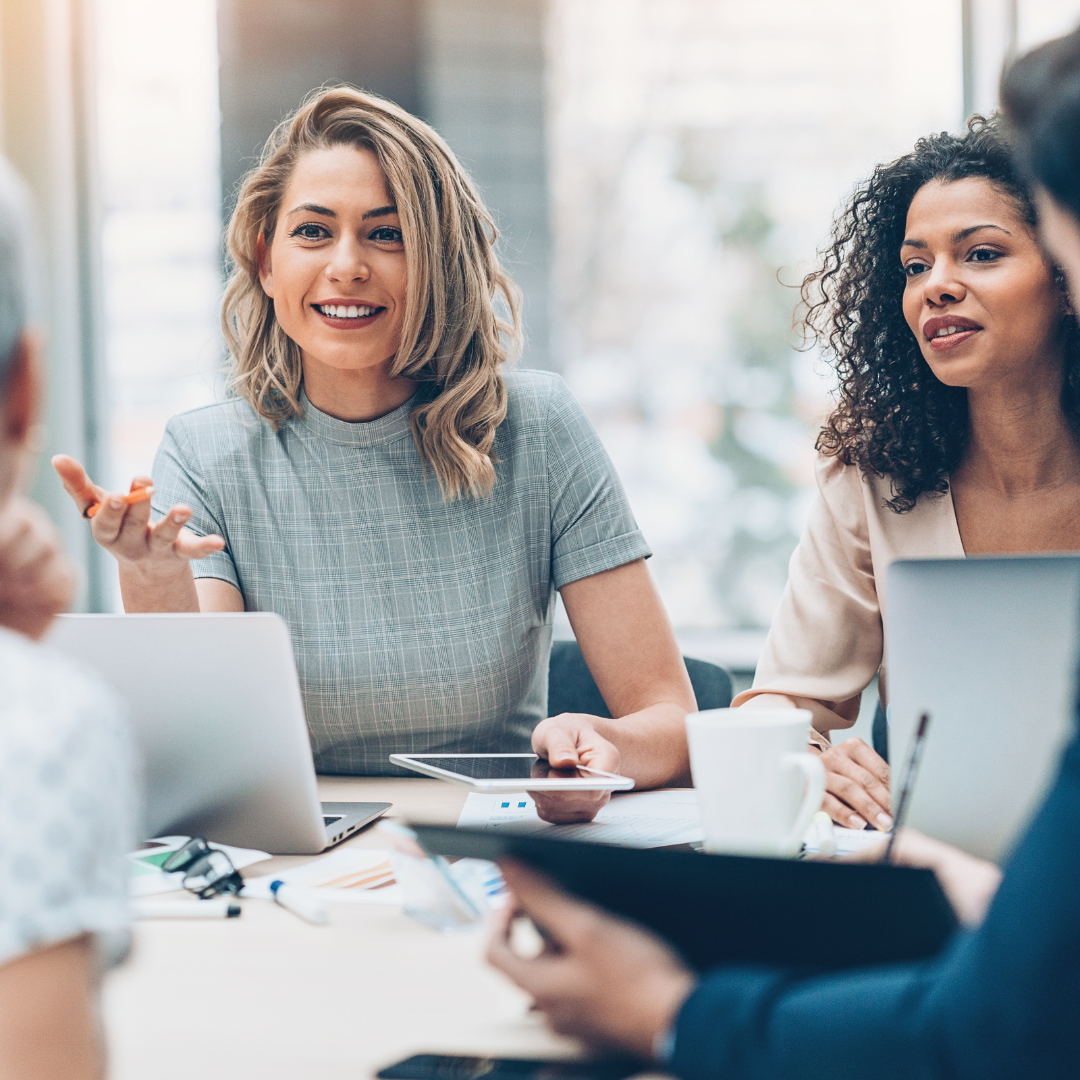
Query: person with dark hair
x=955 y=431
x=1041 y=97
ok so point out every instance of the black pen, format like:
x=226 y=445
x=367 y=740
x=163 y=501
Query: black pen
x=909 y=782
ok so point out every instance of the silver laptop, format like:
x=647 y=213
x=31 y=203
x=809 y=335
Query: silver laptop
x=218 y=716
x=989 y=647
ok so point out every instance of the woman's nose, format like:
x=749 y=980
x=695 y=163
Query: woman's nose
x=347 y=262
x=944 y=285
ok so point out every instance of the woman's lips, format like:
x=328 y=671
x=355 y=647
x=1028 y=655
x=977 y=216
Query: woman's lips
x=357 y=322
x=944 y=344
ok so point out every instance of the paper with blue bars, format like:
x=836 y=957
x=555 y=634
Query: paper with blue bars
x=641 y=819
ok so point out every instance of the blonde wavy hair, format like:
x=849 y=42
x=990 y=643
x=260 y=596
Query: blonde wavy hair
x=453 y=337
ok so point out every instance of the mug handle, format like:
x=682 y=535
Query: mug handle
x=814 y=772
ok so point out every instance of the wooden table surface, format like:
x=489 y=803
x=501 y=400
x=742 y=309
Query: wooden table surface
x=268 y=996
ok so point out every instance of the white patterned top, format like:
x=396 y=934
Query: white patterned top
x=68 y=802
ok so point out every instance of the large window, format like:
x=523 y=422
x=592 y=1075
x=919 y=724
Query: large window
x=697 y=150
x=161 y=228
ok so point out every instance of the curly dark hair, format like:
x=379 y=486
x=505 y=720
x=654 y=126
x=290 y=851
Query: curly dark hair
x=894 y=418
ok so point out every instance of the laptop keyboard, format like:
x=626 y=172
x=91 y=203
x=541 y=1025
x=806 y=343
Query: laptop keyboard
x=329 y=819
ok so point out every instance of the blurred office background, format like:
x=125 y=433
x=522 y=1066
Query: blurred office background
x=662 y=172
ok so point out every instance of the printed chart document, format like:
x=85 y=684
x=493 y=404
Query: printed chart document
x=641 y=819
x=348 y=875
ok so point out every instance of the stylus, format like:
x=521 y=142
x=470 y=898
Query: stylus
x=185 y=909
x=298 y=903
x=909 y=782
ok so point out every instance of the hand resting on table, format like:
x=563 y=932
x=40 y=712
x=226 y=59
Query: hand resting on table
x=856 y=786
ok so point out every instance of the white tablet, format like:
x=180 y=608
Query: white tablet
x=509 y=772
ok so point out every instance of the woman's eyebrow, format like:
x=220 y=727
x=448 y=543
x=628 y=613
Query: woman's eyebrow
x=956 y=237
x=963 y=234
x=381 y=211
x=313 y=208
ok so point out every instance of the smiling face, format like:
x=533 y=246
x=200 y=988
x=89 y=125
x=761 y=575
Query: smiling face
x=979 y=295
x=335 y=268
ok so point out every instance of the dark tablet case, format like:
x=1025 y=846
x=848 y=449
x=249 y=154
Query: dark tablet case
x=733 y=909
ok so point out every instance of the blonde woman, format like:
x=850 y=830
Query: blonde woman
x=378 y=480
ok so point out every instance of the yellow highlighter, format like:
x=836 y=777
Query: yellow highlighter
x=137 y=494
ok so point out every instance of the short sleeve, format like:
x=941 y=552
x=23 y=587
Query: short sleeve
x=178 y=479
x=592 y=527
x=826 y=639
x=68 y=804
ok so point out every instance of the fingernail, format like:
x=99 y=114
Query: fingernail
x=857 y=822
x=115 y=503
x=178 y=518
x=884 y=821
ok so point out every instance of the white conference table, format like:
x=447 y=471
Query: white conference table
x=269 y=996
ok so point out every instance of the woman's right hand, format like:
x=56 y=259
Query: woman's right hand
x=157 y=550
x=857 y=786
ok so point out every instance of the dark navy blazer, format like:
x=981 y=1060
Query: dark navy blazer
x=1001 y=1001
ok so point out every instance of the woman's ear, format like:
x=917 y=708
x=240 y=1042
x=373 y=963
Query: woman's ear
x=22 y=391
x=266 y=270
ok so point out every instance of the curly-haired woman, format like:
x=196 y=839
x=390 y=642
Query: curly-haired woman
x=378 y=480
x=956 y=430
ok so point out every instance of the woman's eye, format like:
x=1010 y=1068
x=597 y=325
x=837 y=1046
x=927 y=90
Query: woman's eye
x=311 y=231
x=914 y=268
x=387 y=234
x=984 y=255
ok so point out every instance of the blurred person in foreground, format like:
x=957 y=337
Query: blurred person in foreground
x=67 y=774
x=956 y=431
x=1001 y=1001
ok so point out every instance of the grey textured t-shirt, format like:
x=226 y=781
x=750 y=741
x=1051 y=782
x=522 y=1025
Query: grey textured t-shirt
x=419 y=625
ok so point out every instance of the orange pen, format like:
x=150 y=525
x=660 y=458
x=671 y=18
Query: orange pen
x=136 y=495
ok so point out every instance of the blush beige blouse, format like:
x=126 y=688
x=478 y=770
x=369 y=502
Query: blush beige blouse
x=827 y=638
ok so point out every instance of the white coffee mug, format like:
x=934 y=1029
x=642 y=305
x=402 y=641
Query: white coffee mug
x=758 y=786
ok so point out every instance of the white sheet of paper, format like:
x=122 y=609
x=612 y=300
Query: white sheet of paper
x=641 y=819
x=849 y=841
x=345 y=876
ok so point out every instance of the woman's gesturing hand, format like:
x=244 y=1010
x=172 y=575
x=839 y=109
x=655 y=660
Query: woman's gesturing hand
x=566 y=741
x=159 y=549
x=599 y=978
x=856 y=786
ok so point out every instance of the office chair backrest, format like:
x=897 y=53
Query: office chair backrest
x=571 y=687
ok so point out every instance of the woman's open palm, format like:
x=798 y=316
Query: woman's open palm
x=127 y=532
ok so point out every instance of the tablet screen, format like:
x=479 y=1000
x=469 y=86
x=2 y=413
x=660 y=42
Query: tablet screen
x=511 y=767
